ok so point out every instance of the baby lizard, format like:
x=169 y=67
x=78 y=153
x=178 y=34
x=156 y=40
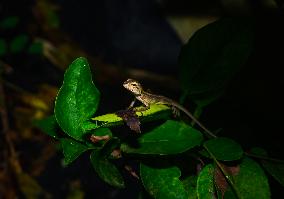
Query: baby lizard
x=148 y=98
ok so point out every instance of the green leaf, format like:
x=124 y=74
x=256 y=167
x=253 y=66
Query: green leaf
x=205 y=183
x=251 y=181
x=49 y=126
x=102 y=132
x=274 y=168
x=224 y=149
x=18 y=43
x=106 y=170
x=155 y=112
x=36 y=48
x=212 y=56
x=77 y=100
x=9 y=22
x=162 y=183
x=172 y=137
x=190 y=186
x=72 y=149
x=3 y=47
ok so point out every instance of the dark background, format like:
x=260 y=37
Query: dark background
x=132 y=38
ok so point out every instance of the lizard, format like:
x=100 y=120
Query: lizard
x=147 y=99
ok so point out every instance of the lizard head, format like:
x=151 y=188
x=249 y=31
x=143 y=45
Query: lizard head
x=133 y=86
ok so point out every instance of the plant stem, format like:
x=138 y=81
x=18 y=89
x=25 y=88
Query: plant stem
x=264 y=157
x=225 y=173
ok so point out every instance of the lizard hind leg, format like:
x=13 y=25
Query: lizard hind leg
x=176 y=111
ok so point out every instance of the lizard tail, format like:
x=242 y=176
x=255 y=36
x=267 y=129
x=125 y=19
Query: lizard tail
x=195 y=120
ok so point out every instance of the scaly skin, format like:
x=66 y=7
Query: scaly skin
x=147 y=99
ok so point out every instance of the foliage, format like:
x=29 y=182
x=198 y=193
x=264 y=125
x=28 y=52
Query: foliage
x=20 y=42
x=212 y=56
x=208 y=61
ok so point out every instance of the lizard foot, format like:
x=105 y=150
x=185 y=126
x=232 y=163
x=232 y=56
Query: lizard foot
x=176 y=112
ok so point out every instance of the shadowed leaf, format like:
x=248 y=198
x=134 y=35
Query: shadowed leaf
x=163 y=183
x=172 y=137
x=106 y=170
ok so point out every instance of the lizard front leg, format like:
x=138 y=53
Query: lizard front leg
x=141 y=109
x=138 y=109
x=132 y=104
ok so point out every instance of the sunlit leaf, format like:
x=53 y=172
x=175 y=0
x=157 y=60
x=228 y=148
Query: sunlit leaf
x=172 y=137
x=162 y=183
x=77 y=100
x=155 y=112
